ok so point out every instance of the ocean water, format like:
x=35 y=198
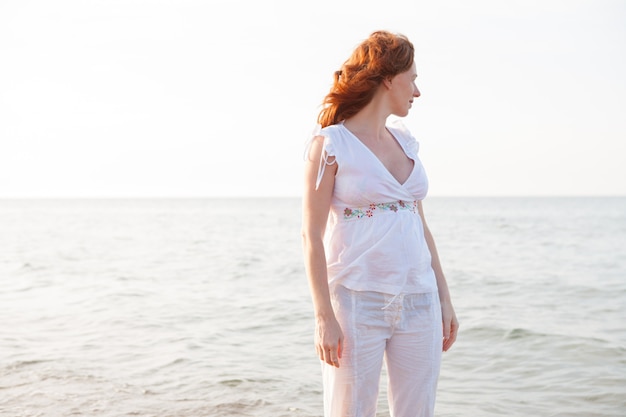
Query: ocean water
x=200 y=307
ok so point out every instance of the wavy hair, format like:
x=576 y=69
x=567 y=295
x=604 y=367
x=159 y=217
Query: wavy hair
x=381 y=56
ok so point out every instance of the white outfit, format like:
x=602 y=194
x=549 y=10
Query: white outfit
x=375 y=238
x=383 y=288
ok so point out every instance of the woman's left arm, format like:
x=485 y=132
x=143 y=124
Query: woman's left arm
x=450 y=322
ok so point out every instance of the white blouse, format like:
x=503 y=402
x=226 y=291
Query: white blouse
x=375 y=237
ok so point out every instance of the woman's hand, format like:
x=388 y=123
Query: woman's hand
x=450 y=325
x=329 y=340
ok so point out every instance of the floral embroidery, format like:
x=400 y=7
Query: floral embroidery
x=395 y=206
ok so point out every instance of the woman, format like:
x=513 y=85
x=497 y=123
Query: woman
x=377 y=285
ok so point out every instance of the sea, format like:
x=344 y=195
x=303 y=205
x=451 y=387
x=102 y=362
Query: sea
x=200 y=308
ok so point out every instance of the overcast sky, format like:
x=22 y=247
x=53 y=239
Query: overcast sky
x=190 y=98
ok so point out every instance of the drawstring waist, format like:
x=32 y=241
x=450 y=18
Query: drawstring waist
x=391 y=301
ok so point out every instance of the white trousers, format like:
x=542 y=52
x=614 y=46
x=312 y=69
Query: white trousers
x=406 y=331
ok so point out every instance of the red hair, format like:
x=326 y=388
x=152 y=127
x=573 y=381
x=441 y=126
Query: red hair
x=381 y=56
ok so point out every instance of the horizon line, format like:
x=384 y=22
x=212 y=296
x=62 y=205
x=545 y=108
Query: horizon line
x=223 y=197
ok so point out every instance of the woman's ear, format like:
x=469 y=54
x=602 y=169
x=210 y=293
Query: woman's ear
x=387 y=83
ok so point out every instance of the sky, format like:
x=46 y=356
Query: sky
x=191 y=98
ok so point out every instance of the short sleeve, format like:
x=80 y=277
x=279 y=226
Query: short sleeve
x=401 y=132
x=328 y=151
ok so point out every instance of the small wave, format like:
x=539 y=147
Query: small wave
x=519 y=333
x=241 y=407
x=529 y=336
x=24 y=364
x=232 y=382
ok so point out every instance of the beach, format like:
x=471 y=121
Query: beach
x=200 y=307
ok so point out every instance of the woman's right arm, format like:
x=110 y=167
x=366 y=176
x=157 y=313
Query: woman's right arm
x=315 y=209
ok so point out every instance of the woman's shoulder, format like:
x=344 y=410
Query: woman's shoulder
x=330 y=138
x=334 y=131
x=402 y=133
x=399 y=129
x=334 y=135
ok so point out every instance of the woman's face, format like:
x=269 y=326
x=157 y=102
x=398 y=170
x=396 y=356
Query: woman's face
x=404 y=91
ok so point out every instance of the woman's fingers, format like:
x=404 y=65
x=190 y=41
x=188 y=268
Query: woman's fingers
x=331 y=356
x=329 y=342
x=450 y=329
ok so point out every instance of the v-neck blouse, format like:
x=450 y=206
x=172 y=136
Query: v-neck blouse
x=375 y=237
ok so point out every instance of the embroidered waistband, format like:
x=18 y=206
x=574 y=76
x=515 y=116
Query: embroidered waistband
x=369 y=211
